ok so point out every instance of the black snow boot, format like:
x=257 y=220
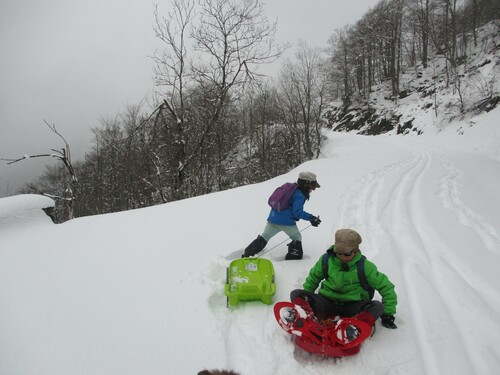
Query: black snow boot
x=294 y=250
x=257 y=245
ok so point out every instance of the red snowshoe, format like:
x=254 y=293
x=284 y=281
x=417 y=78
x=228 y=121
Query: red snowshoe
x=336 y=339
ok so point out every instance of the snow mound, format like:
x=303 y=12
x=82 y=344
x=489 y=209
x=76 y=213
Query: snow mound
x=25 y=208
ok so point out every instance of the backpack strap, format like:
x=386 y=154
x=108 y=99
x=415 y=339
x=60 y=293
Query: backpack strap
x=324 y=264
x=324 y=261
x=362 y=278
x=361 y=271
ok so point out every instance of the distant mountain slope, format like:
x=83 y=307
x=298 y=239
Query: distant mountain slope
x=430 y=97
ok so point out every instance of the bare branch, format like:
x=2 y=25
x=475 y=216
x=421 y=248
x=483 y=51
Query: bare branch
x=25 y=157
x=63 y=155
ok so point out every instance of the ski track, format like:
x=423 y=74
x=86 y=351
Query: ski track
x=378 y=201
x=359 y=206
x=363 y=207
x=434 y=315
x=401 y=206
x=472 y=286
x=433 y=321
x=450 y=196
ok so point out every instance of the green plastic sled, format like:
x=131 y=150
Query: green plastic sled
x=250 y=279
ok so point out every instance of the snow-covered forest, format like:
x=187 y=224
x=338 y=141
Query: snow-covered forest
x=215 y=122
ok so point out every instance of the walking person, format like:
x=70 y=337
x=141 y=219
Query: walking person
x=286 y=220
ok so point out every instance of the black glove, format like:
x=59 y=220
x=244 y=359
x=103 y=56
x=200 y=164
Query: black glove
x=388 y=321
x=315 y=221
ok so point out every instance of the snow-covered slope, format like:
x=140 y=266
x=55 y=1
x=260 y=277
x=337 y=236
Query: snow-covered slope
x=141 y=292
x=432 y=96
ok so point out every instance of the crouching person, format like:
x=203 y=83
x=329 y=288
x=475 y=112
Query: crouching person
x=343 y=291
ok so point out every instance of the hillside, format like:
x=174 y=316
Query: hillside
x=432 y=97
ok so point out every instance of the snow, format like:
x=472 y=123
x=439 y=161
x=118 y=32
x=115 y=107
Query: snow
x=24 y=208
x=142 y=291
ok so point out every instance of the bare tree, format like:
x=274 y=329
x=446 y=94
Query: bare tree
x=394 y=32
x=340 y=65
x=233 y=38
x=423 y=27
x=303 y=81
x=230 y=39
x=172 y=73
x=63 y=155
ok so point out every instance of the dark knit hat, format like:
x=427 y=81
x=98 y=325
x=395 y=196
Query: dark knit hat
x=346 y=240
x=308 y=178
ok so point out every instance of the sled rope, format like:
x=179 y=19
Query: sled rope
x=282 y=242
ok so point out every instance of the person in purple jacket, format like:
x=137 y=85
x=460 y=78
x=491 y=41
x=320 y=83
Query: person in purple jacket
x=286 y=220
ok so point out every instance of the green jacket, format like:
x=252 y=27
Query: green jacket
x=343 y=283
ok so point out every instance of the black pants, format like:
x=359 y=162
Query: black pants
x=324 y=307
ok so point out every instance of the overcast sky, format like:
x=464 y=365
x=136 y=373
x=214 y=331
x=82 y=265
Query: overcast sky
x=73 y=62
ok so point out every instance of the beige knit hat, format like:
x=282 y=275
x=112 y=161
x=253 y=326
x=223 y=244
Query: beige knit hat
x=346 y=240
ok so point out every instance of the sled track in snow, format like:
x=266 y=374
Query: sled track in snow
x=387 y=206
x=435 y=306
x=401 y=221
x=473 y=285
x=429 y=301
x=400 y=215
x=450 y=197
x=362 y=205
x=377 y=205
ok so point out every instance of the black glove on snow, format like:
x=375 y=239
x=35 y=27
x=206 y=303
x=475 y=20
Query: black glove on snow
x=388 y=321
x=315 y=221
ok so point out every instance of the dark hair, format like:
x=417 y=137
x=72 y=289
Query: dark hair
x=306 y=183
x=305 y=187
x=303 y=183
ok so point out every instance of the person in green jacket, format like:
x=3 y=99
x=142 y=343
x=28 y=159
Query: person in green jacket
x=341 y=294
